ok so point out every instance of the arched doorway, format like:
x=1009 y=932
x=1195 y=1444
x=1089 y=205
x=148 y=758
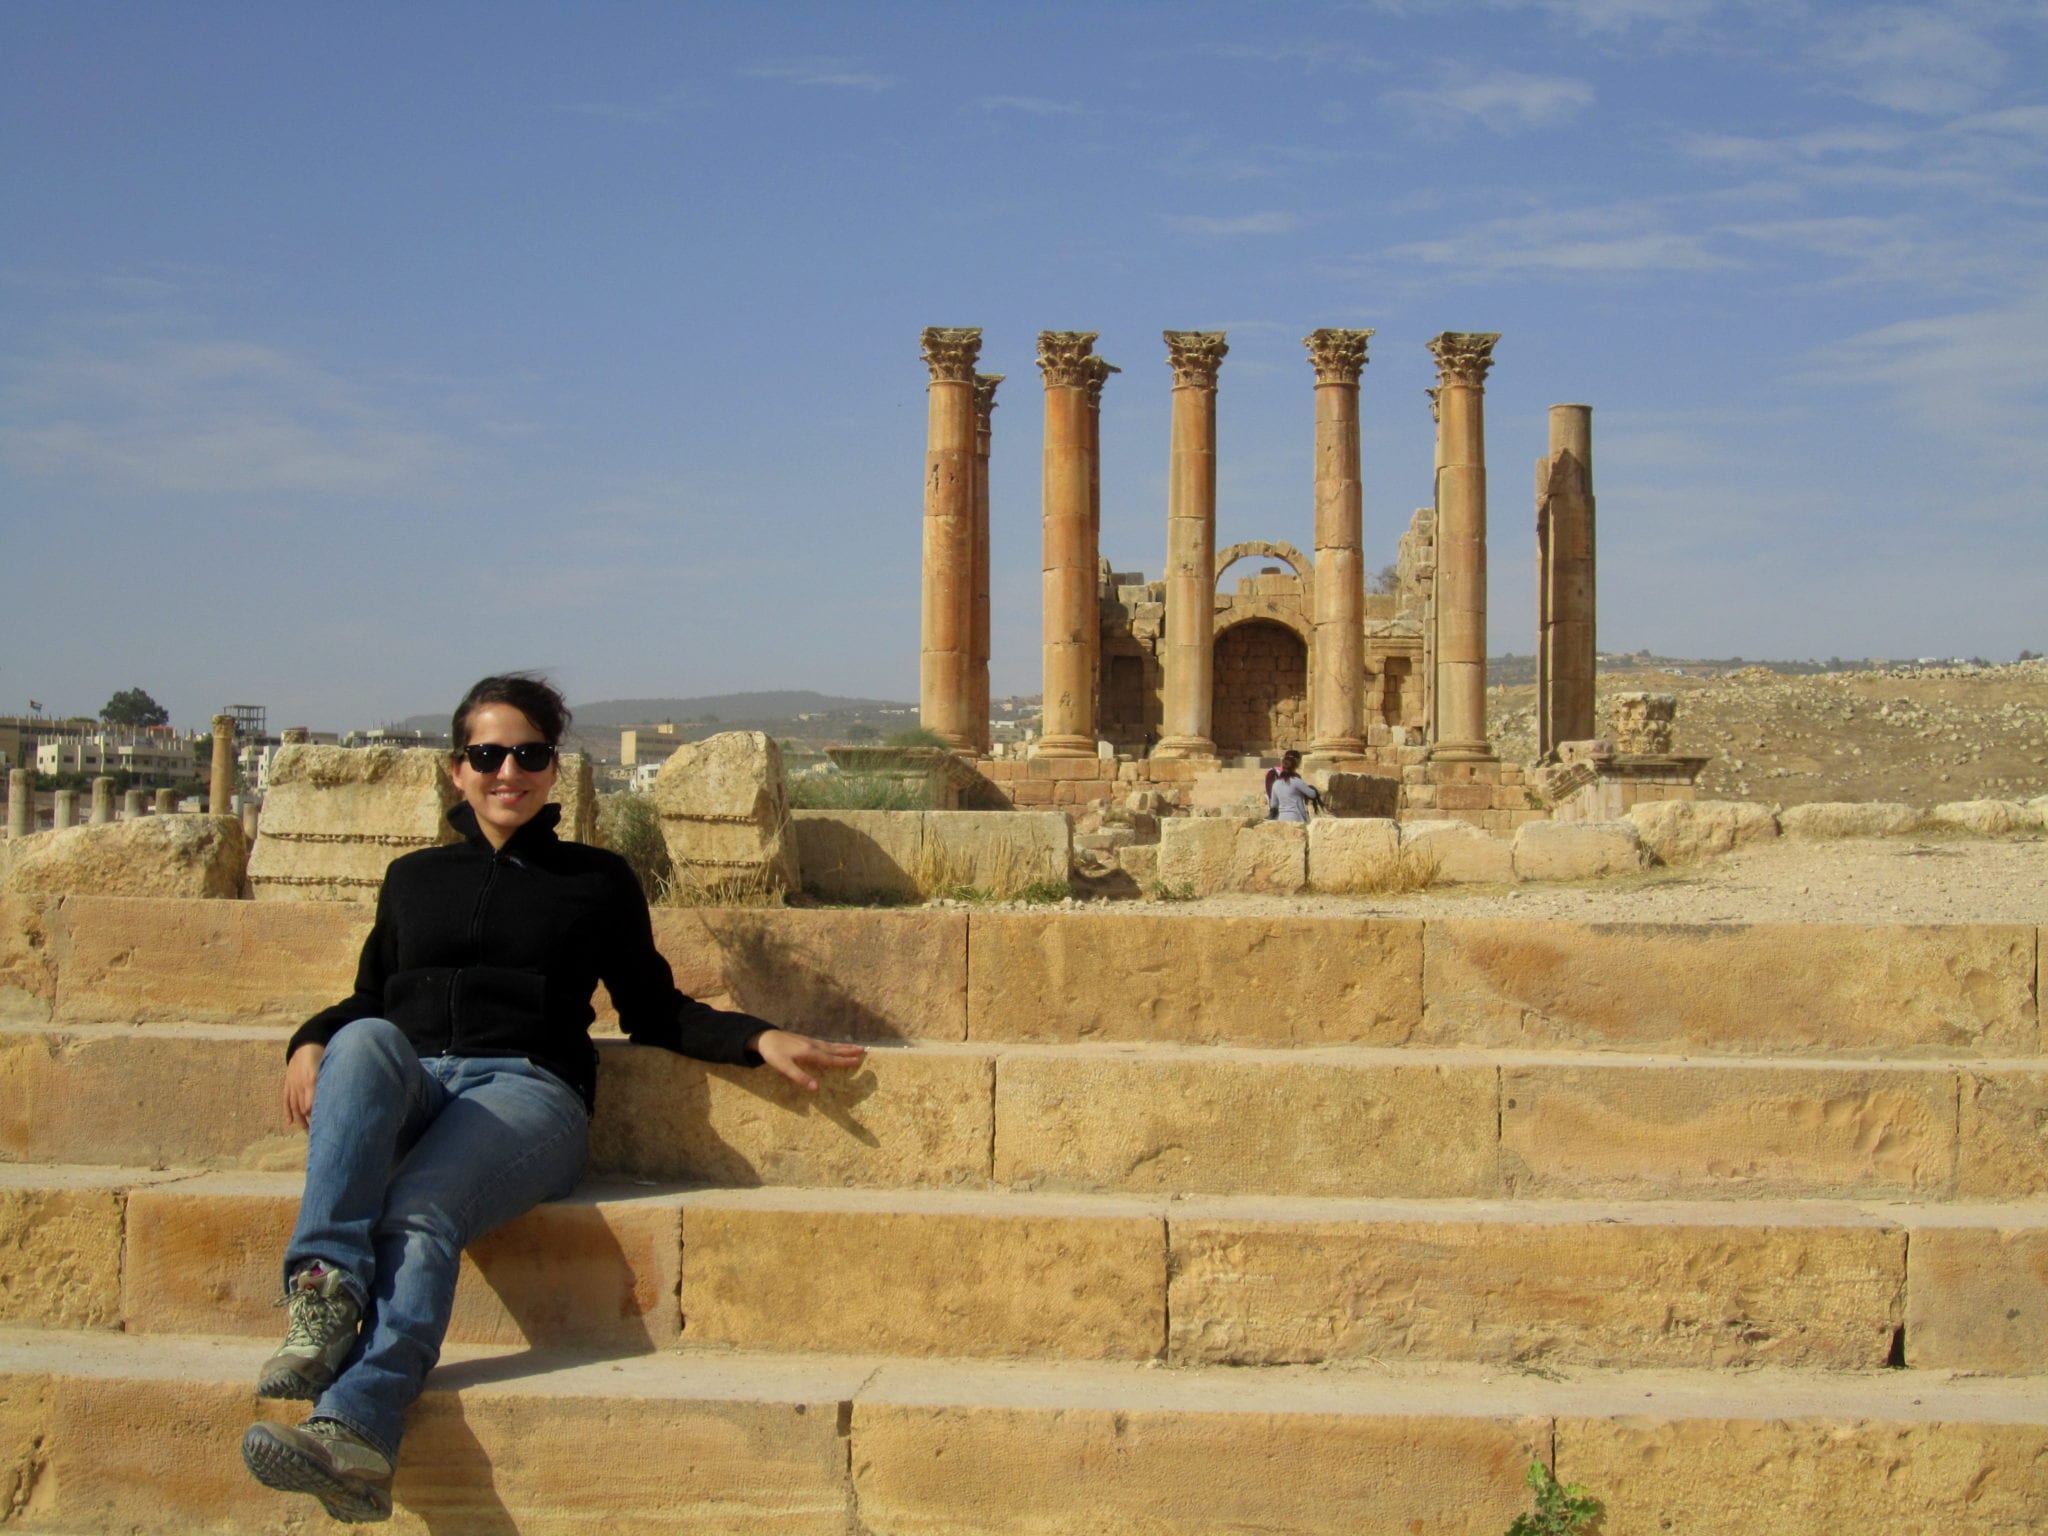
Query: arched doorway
x=1261 y=703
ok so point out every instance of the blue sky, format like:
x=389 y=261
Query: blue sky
x=347 y=353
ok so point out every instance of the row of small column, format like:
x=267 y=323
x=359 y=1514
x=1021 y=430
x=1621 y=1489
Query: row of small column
x=953 y=673
x=135 y=802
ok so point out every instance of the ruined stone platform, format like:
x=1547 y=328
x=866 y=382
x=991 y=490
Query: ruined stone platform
x=1132 y=1220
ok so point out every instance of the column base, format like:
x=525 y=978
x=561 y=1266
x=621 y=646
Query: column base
x=1184 y=746
x=1337 y=746
x=1064 y=746
x=1321 y=760
x=1464 y=752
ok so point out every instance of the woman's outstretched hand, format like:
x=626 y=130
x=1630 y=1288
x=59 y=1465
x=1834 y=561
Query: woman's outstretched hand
x=301 y=1078
x=797 y=1056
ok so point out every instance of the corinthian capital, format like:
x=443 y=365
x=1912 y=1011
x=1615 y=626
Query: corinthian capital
x=1194 y=357
x=1338 y=356
x=1462 y=357
x=985 y=397
x=1098 y=371
x=1063 y=358
x=950 y=352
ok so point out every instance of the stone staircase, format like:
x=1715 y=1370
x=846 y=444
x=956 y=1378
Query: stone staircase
x=1136 y=1222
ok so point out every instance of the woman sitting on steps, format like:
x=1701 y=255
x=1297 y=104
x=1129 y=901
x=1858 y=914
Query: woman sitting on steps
x=452 y=1090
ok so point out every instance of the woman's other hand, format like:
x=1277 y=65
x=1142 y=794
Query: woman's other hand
x=797 y=1056
x=301 y=1080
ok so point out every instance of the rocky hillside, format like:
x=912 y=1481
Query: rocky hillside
x=1918 y=734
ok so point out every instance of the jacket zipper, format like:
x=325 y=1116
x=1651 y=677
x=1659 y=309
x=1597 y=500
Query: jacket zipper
x=476 y=941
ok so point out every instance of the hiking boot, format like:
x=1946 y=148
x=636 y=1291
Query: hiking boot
x=350 y=1478
x=321 y=1333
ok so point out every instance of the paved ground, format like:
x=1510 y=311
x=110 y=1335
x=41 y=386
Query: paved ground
x=1902 y=880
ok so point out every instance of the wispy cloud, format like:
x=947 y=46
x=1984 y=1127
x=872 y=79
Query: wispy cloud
x=1978 y=377
x=841 y=74
x=207 y=416
x=1614 y=16
x=1271 y=222
x=1912 y=59
x=1206 y=157
x=1031 y=106
x=1625 y=239
x=1315 y=55
x=1502 y=100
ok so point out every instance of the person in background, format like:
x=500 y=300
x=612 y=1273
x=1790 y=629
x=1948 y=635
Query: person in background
x=1288 y=794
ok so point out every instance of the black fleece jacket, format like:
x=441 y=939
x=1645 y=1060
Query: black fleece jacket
x=495 y=952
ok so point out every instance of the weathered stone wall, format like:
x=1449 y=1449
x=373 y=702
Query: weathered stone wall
x=1261 y=690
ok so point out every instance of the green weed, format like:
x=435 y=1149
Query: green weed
x=1562 y=1509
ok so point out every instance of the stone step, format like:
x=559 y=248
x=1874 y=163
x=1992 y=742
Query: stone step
x=113 y=1432
x=1399 y=1123
x=1149 y=975
x=1186 y=1282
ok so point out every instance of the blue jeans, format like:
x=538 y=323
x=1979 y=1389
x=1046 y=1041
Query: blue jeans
x=408 y=1162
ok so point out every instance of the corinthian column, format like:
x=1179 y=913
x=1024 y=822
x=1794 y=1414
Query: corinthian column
x=943 y=698
x=1338 y=707
x=1195 y=357
x=977 y=656
x=1564 y=581
x=1068 y=724
x=1099 y=370
x=1462 y=361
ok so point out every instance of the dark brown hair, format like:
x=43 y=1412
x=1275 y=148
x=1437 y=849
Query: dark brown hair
x=529 y=693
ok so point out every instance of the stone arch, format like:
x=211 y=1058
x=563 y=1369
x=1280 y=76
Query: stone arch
x=1260 y=705
x=1226 y=558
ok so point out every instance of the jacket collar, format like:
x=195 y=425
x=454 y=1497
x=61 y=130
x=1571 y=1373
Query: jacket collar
x=540 y=830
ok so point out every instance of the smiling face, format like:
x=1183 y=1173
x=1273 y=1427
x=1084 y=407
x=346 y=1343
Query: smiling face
x=506 y=800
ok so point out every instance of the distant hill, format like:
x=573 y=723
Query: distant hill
x=735 y=709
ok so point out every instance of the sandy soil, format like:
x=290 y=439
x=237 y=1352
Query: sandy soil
x=1903 y=880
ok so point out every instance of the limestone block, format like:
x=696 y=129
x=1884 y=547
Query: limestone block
x=1721 y=1132
x=724 y=811
x=908 y=855
x=977 y=1284
x=861 y=855
x=1589 y=1292
x=156 y=856
x=1686 y=831
x=28 y=973
x=1576 y=850
x=1984 y=818
x=2004 y=1151
x=1462 y=854
x=115 y=1451
x=575 y=792
x=1353 y=857
x=1363 y=794
x=906 y=1118
x=1270 y=859
x=1739 y=1476
x=1000 y=852
x=132 y=961
x=1198 y=1124
x=1829 y=819
x=1977 y=1299
x=1801 y=988
x=845 y=975
x=334 y=817
x=1152 y=976
x=1196 y=853
x=60 y=1257
x=1060 y=1469
x=194 y=1099
x=1141 y=862
x=1643 y=722
x=203 y=1257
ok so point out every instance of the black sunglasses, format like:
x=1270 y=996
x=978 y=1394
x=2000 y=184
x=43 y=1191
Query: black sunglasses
x=489 y=757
